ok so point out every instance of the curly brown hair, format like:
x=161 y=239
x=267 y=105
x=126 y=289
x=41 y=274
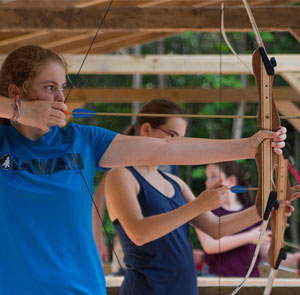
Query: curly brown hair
x=23 y=64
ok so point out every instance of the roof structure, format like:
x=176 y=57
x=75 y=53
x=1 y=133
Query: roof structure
x=68 y=27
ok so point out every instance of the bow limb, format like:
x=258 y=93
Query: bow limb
x=278 y=222
x=226 y=39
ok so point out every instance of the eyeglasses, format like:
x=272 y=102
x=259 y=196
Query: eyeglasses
x=171 y=133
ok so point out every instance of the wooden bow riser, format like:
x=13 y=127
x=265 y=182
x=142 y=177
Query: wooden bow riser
x=267 y=161
x=278 y=220
x=268 y=119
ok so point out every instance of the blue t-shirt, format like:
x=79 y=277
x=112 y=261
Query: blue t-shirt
x=166 y=265
x=46 y=239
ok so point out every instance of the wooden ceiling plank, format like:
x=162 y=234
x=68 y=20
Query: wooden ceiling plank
x=116 y=43
x=22 y=38
x=34 y=40
x=131 y=3
x=190 y=95
x=175 y=64
x=153 y=3
x=207 y=3
x=107 y=42
x=146 y=19
x=144 y=38
x=68 y=40
x=90 y=3
x=172 y=64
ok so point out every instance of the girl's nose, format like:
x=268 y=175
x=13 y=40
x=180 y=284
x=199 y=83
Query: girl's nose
x=59 y=96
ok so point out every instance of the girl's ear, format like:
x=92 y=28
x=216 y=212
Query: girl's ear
x=13 y=91
x=146 y=129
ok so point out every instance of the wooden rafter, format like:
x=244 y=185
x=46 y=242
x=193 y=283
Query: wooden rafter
x=172 y=64
x=189 y=95
x=146 y=19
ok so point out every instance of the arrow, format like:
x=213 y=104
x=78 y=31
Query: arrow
x=84 y=113
x=241 y=189
x=81 y=113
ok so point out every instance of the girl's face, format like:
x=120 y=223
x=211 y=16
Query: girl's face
x=214 y=174
x=49 y=83
x=174 y=127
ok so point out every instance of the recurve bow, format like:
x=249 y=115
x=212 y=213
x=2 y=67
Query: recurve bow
x=268 y=195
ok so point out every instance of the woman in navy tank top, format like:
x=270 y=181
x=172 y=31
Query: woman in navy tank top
x=151 y=211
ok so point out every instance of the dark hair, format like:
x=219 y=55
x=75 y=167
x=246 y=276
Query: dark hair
x=233 y=168
x=155 y=106
x=23 y=64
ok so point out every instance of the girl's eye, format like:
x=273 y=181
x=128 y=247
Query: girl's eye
x=49 y=87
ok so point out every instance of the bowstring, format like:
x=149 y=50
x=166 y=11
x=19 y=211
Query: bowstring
x=69 y=141
x=220 y=109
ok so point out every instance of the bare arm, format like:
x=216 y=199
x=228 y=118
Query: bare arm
x=137 y=150
x=230 y=224
x=123 y=205
x=212 y=246
x=209 y=223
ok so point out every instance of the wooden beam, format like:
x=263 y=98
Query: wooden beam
x=109 y=42
x=21 y=38
x=293 y=79
x=173 y=64
x=146 y=19
x=288 y=108
x=189 y=95
x=295 y=33
x=213 y=285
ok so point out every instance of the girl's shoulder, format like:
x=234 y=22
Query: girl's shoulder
x=120 y=173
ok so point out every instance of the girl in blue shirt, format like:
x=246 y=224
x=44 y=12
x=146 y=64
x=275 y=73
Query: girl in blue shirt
x=46 y=176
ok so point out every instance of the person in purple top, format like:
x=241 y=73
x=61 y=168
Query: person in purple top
x=231 y=256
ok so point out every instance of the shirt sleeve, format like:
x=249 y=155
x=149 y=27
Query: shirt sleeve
x=102 y=140
x=97 y=138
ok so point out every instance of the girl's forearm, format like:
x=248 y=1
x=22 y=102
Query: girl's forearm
x=212 y=246
x=236 y=222
x=154 y=227
x=136 y=151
